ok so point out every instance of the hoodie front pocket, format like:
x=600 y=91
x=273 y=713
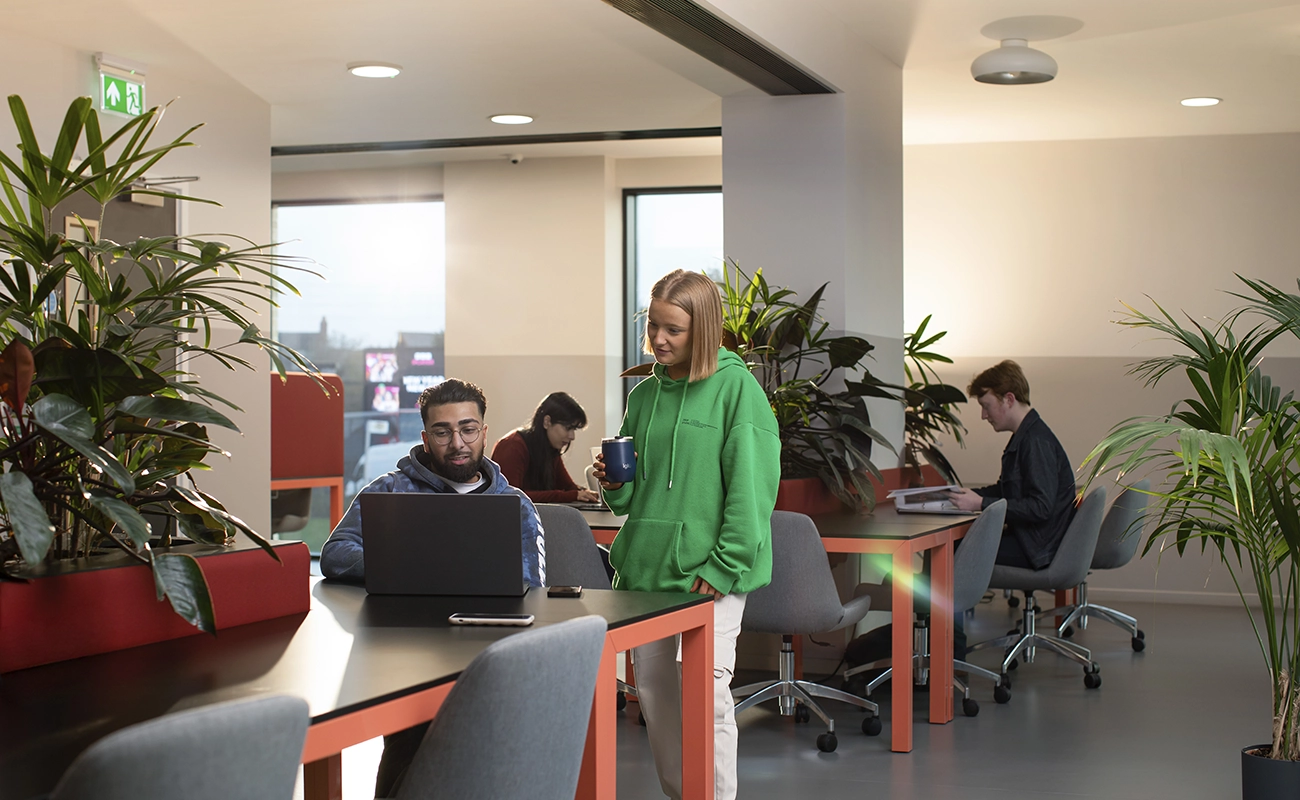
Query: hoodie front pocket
x=645 y=555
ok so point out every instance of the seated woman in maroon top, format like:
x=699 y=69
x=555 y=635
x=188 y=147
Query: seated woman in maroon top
x=531 y=458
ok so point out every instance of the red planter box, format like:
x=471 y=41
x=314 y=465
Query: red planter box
x=810 y=495
x=107 y=603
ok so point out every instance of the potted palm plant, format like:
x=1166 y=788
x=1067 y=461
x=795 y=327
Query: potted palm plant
x=930 y=404
x=1230 y=461
x=101 y=428
x=808 y=375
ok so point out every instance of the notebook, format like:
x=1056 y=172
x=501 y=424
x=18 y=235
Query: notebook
x=925 y=500
x=443 y=544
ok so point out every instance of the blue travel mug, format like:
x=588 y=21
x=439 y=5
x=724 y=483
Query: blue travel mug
x=620 y=459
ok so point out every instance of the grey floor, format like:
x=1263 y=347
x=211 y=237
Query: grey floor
x=1165 y=723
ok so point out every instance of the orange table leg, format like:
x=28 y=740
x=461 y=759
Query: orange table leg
x=941 y=633
x=697 y=712
x=336 y=503
x=901 y=654
x=323 y=779
x=598 y=779
x=798 y=657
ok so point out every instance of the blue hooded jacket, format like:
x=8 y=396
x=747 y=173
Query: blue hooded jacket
x=342 y=557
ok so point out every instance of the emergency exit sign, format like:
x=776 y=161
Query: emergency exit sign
x=121 y=95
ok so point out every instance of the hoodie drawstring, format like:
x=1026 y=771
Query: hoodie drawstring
x=672 y=453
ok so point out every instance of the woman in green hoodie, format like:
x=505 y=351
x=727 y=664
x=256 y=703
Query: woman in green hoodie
x=699 y=508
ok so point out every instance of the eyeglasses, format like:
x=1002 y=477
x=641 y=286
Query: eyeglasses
x=468 y=434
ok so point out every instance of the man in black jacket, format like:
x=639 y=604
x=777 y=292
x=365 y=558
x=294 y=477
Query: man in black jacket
x=1036 y=480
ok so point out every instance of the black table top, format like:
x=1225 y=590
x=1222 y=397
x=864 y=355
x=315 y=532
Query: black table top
x=884 y=523
x=351 y=651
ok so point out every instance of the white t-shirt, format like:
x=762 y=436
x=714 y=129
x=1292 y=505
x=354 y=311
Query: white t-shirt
x=464 y=488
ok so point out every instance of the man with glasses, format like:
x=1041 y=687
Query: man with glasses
x=449 y=460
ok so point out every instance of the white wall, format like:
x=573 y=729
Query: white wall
x=232 y=162
x=1029 y=251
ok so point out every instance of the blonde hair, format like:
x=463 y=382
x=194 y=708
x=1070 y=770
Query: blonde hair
x=697 y=295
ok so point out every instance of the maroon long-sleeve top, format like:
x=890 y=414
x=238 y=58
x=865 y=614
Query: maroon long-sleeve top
x=511 y=454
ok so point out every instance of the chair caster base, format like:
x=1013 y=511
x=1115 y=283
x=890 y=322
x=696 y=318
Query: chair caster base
x=871 y=726
x=1139 y=644
x=621 y=701
x=801 y=713
x=969 y=707
x=1002 y=692
x=827 y=743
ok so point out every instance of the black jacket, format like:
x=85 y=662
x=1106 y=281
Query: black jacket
x=1038 y=485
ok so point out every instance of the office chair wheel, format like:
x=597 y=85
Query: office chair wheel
x=827 y=743
x=802 y=714
x=1142 y=634
x=871 y=725
x=640 y=718
x=1013 y=601
x=1139 y=645
x=1006 y=681
x=1068 y=632
x=1092 y=680
x=1014 y=632
x=1015 y=662
x=1002 y=692
x=621 y=701
x=969 y=707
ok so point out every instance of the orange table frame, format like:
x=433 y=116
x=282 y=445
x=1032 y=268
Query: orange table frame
x=323 y=761
x=334 y=482
x=902 y=551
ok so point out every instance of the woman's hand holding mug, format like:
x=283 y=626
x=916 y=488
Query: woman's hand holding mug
x=598 y=471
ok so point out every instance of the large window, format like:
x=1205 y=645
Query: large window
x=666 y=229
x=377 y=320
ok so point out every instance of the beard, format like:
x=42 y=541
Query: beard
x=459 y=473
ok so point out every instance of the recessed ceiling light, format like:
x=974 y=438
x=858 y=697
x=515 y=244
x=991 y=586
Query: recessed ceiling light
x=1200 y=102
x=511 y=119
x=374 y=69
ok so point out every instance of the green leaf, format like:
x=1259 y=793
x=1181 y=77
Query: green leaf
x=174 y=409
x=178 y=578
x=26 y=516
x=93 y=377
x=63 y=417
x=126 y=517
x=847 y=351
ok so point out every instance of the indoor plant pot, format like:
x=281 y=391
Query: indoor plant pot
x=102 y=430
x=1229 y=459
x=1264 y=778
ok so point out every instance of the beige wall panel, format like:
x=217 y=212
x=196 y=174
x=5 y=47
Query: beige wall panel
x=646 y=173
x=408 y=183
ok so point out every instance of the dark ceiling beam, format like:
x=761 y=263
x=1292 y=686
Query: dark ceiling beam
x=491 y=141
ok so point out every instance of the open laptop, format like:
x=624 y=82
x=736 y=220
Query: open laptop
x=443 y=544
x=925 y=500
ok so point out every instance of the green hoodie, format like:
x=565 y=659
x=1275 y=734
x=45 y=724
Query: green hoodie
x=708 y=465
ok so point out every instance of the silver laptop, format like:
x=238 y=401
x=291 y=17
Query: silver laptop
x=443 y=544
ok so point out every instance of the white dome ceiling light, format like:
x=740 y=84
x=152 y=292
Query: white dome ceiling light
x=1201 y=102
x=1015 y=62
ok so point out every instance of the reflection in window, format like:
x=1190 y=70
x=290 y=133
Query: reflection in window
x=378 y=320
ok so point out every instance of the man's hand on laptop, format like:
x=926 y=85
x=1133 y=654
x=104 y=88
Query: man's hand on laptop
x=965 y=499
x=588 y=496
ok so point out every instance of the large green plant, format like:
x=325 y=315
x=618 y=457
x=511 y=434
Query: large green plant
x=1230 y=459
x=101 y=424
x=930 y=404
x=825 y=430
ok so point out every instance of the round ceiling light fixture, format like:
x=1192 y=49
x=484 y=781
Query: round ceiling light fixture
x=1015 y=62
x=1200 y=102
x=374 y=69
x=511 y=119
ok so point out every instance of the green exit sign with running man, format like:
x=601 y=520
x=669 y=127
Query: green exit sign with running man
x=121 y=95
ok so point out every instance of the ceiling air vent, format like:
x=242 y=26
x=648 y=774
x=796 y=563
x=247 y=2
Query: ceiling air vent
x=717 y=40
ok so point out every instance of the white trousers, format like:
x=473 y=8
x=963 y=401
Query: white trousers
x=659 y=689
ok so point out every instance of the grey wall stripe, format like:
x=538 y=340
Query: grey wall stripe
x=491 y=141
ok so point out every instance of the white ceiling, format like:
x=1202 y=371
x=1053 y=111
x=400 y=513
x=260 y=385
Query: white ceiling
x=580 y=65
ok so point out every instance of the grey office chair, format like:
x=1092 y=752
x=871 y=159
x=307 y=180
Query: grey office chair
x=801 y=599
x=528 y=696
x=972 y=568
x=1068 y=569
x=573 y=559
x=244 y=748
x=1121 y=533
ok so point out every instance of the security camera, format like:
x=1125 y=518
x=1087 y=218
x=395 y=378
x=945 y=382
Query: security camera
x=514 y=158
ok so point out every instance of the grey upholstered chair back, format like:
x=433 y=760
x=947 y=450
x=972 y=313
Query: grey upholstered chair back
x=1074 y=557
x=972 y=565
x=572 y=558
x=801 y=597
x=245 y=748
x=1121 y=531
x=525 y=699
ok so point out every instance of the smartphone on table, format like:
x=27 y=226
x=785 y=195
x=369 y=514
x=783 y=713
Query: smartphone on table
x=514 y=620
